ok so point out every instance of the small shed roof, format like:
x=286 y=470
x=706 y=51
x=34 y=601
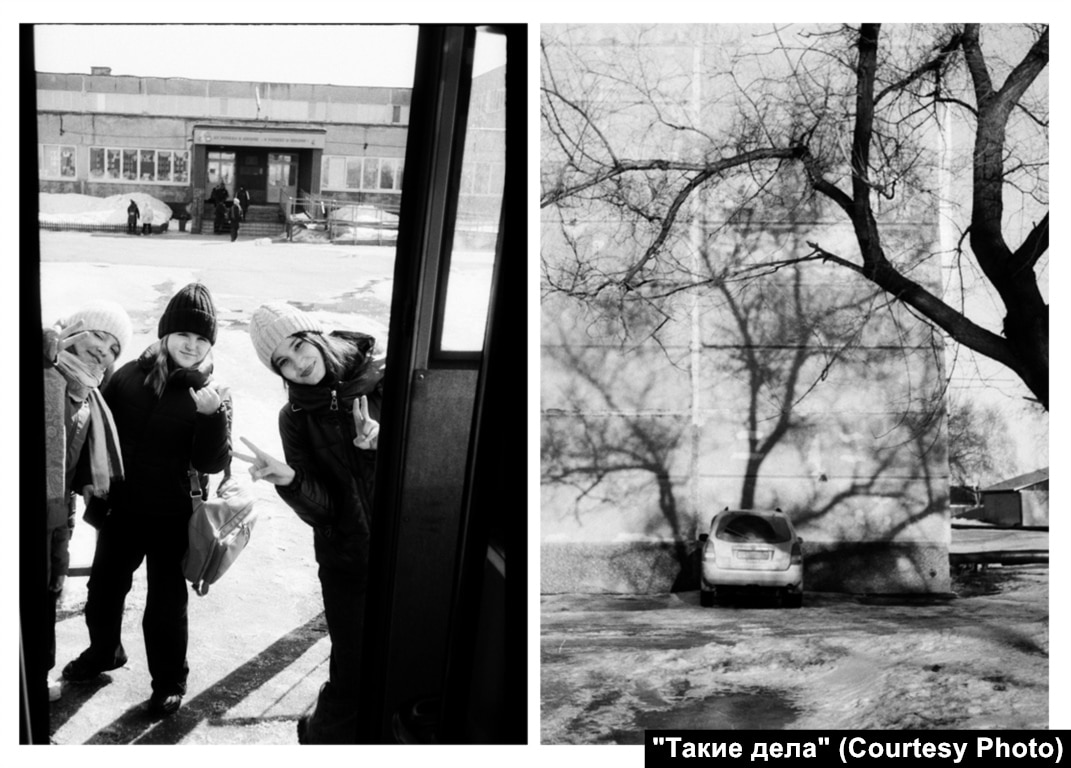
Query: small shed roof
x=1020 y=482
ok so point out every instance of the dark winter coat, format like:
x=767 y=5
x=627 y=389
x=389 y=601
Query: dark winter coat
x=334 y=480
x=162 y=436
x=219 y=195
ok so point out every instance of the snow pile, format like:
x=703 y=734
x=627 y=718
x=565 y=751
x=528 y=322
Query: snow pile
x=364 y=214
x=89 y=210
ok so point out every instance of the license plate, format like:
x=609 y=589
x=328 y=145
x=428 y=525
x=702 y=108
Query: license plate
x=752 y=554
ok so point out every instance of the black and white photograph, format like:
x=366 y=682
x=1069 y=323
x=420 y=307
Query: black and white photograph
x=723 y=334
x=794 y=467
x=278 y=271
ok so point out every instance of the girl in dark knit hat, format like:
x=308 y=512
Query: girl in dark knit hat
x=171 y=415
x=329 y=429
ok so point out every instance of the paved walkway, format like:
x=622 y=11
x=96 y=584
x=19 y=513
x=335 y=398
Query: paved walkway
x=258 y=650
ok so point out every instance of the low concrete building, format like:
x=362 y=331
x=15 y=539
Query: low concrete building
x=1018 y=501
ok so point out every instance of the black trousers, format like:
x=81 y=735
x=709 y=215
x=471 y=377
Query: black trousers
x=334 y=719
x=58 y=561
x=122 y=544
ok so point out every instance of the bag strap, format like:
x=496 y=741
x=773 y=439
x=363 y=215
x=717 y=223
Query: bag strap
x=195 y=483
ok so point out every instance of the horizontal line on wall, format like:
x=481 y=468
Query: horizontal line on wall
x=687 y=347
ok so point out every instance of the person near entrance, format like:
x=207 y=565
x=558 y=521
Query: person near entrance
x=221 y=216
x=243 y=199
x=219 y=193
x=132 y=214
x=236 y=218
x=219 y=203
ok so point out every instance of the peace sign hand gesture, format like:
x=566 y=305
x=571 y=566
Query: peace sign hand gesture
x=367 y=427
x=58 y=339
x=266 y=467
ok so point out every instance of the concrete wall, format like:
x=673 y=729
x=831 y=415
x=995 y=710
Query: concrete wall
x=1035 y=507
x=665 y=422
x=696 y=388
x=1002 y=508
x=649 y=567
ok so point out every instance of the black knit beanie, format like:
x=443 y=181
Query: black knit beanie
x=191 y=311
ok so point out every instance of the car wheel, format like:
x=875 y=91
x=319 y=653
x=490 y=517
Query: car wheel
x=706 y=598
x=793 y=599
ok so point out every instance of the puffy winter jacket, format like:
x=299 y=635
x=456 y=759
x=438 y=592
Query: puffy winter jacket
x=334 y=480
x=162 y=436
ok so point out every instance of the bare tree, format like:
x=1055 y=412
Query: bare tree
x=859 y=112
x=781 y=336
x=979 y=449
x=609 y=431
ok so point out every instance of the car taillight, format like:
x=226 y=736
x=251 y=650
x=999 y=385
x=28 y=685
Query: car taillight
x=797 y=554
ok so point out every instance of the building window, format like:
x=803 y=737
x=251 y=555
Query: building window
x=370 y=179
x=55 y=161
x=353 y=173
x=368 y=174
x=180 y=168
x=495 y=100
x=482 y=179
x=163 y=166
x=141 y=165
x=130 y=164
x=147 y=165
x=396 y=114
x=114 y=164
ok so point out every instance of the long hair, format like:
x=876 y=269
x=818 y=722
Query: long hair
x=162 y=367
x=339 y=355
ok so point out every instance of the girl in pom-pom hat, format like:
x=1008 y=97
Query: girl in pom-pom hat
x=329 y=429
x=81 y=442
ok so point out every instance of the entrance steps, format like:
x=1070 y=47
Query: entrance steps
x=260 y=221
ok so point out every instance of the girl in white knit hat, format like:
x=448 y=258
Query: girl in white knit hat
x=329 y=430
x=81 y=444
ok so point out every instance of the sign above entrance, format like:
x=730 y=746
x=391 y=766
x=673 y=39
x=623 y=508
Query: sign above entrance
x=273 y=139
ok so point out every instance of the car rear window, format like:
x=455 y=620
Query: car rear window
x=753 y=528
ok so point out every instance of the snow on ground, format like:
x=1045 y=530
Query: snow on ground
x=612 y=666
x=89 y=210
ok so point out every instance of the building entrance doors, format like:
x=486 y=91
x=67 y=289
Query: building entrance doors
x=282 y=175
x=220 y=168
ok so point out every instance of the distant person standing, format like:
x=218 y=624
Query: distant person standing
x=146 y=220
x=219 y=204
x=236 y=218
x=219 y=193
x=243 y=198
x=221 y=216
x=132 y=214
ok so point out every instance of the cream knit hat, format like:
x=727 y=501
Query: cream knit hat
x=271 y=323
x=104 y=316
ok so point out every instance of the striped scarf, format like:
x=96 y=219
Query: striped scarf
x=105 y=457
